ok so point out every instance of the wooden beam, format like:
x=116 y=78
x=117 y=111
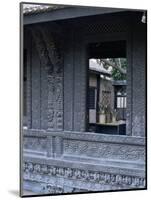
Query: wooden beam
x=67 y=13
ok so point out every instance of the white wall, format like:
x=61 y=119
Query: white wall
x=92 y=112
x=105 y=85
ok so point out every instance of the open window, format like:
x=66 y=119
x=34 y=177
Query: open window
x=107 y=87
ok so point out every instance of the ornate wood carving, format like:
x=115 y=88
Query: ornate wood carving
x=104 y=150
x=45 y=173
x=35 y=143
x=51 y=60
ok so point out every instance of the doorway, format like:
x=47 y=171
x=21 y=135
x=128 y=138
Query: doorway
x=107 y=97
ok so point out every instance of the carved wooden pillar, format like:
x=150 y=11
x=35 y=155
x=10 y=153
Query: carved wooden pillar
x=55 y=83
x=139 y=80
x=51 y=86
x=51 y=61
x=27 y=46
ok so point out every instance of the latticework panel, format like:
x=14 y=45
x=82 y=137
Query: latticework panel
x=101 y=26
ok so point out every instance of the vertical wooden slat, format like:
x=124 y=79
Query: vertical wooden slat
x=28 y=45
x=35 y=89
x=80 y=86
x=68 y=83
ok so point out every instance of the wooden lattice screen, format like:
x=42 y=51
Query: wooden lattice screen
x=106 y=99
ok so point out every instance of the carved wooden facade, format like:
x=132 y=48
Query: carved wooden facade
x=60 y=156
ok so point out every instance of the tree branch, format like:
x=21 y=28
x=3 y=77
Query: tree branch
x=117 y=65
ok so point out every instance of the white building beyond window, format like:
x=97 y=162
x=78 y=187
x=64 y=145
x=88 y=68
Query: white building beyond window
x=121 y=102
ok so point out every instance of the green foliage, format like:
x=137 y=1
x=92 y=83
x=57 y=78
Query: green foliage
x=116 y=74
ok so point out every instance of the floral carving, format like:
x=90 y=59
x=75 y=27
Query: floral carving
x=84 y=175
x=53 y=190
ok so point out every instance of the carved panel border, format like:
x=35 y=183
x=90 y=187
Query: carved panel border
x=45 y=173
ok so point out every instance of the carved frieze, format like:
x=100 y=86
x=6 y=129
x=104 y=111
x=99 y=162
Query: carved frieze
x=38 y=172
x=52 y=189
x=104 y=150
x=55 y=102
x=35 y=144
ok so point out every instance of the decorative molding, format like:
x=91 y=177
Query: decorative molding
x=89 y=136
x=35 y=143
x=52 y=189
x=86 y=146
x=104 y=150
x=44 y=173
